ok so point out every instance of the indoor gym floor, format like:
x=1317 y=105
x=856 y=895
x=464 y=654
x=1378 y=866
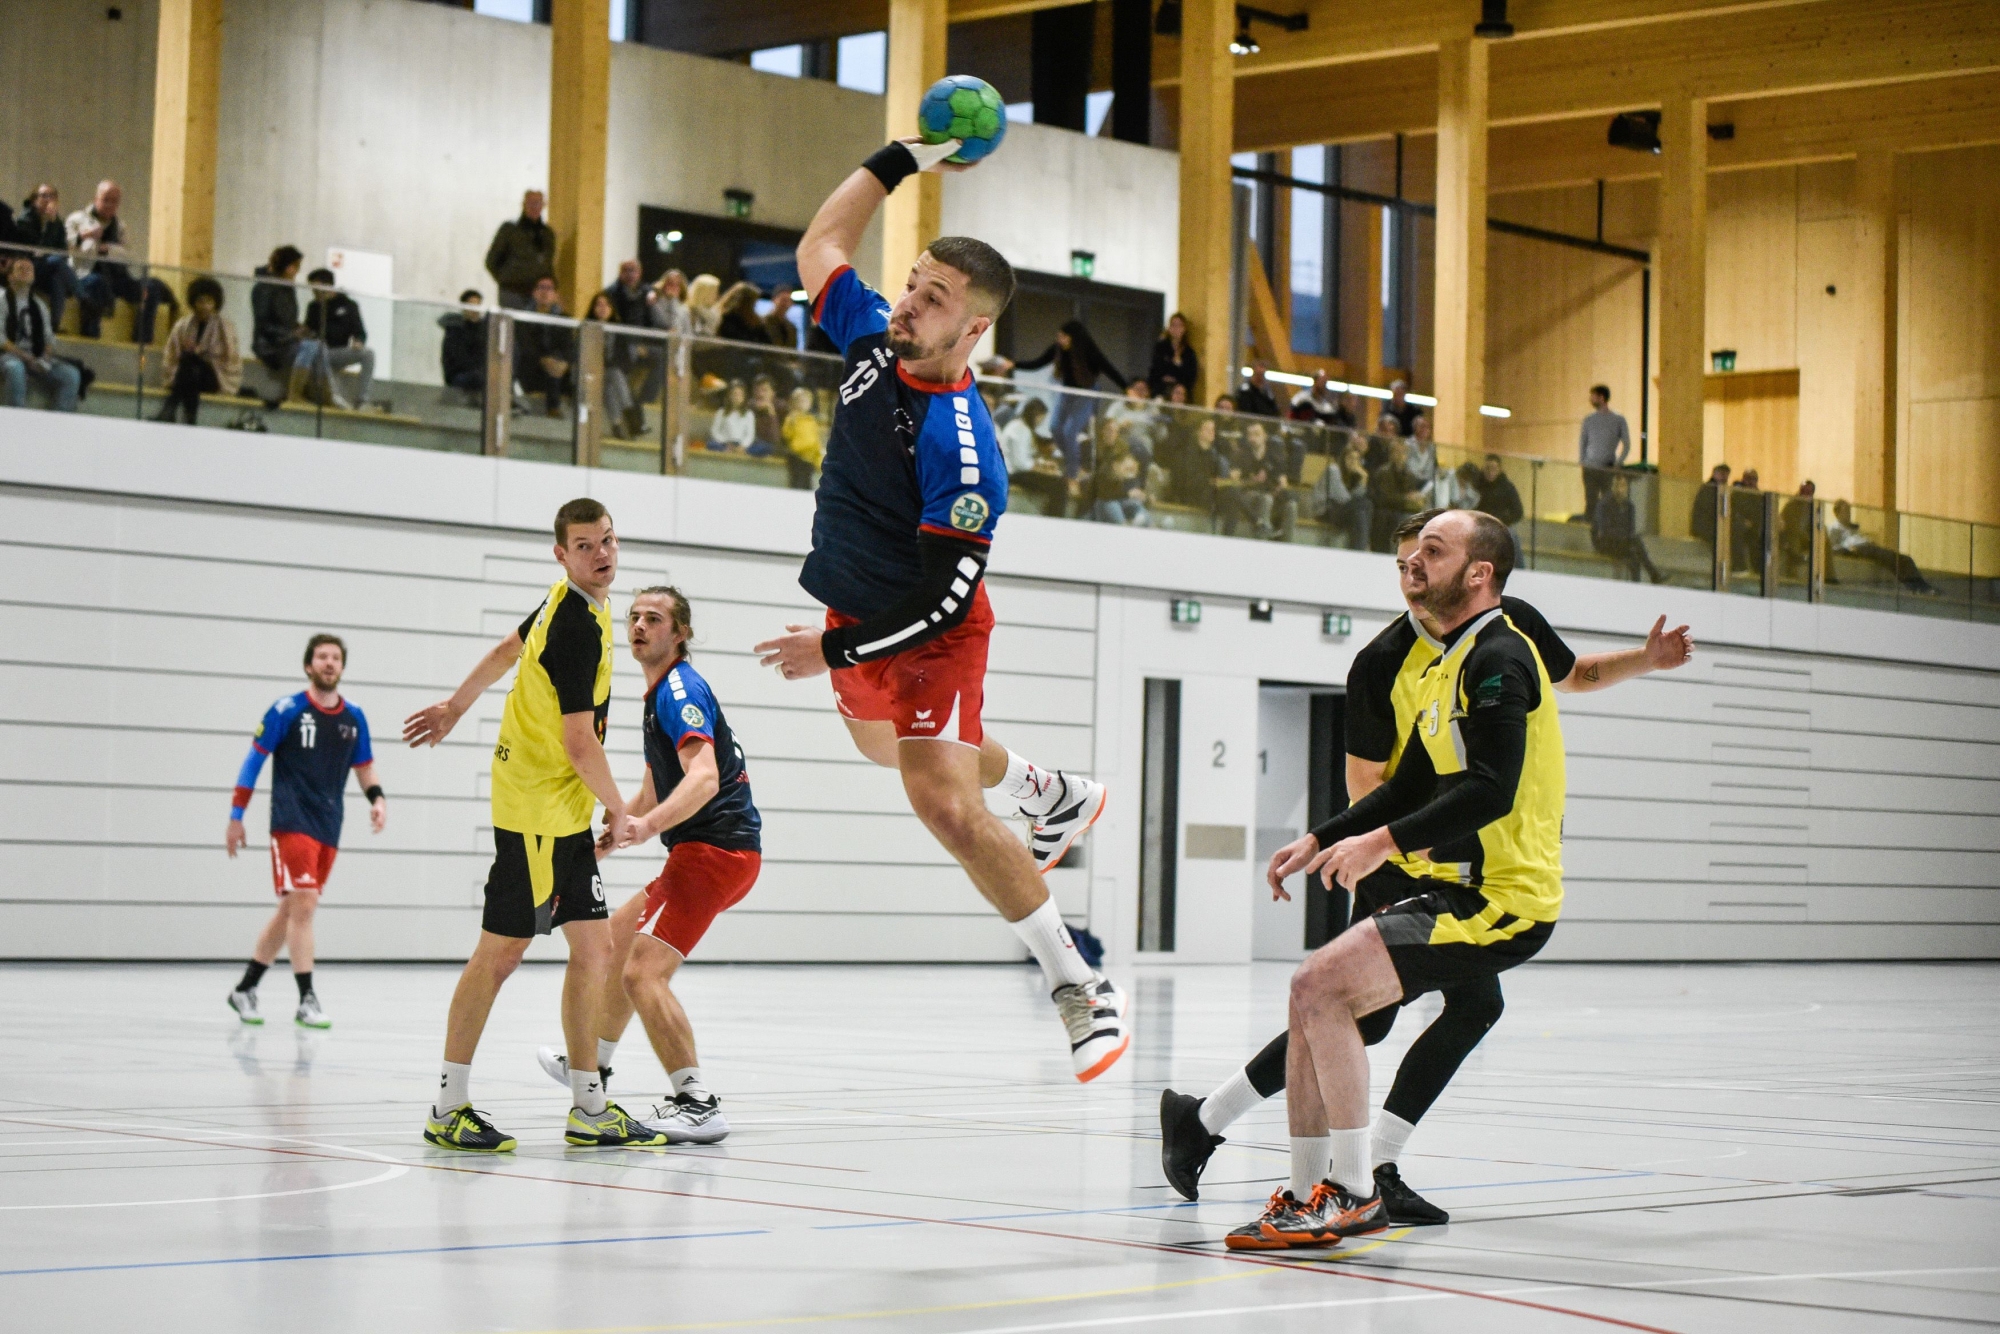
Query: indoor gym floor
x=1752 y=1147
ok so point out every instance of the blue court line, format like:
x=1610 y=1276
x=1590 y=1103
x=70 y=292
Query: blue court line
x=365 y=1255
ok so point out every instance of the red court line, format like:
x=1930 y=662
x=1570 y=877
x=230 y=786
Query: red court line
x=1157 y=1247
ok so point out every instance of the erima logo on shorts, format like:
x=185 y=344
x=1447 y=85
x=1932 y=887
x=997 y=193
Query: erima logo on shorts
x=969 y=511
x=693 y=716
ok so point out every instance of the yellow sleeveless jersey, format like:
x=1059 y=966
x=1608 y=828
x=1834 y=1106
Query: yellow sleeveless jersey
x=1516 y=861
x=565 y=667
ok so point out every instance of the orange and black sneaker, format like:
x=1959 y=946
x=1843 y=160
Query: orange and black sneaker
x=1345 y=1214
x=1284 y=1224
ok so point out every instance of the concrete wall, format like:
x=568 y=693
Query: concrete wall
x=1820 y=783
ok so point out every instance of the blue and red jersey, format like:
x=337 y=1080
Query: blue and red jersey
x=315 y=748
x=683 y=706
x=905 y=456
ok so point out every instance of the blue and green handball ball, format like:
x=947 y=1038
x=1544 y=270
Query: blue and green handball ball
x=962 y=107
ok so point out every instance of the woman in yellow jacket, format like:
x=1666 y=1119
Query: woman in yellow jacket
x=805 y=441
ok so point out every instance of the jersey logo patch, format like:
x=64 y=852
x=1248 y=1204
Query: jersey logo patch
x=969 y=512
x=1487 y=691
x=693 y=716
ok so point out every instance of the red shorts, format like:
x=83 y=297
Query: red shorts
x=300 y=862
x=699 y=882
x=934 y=691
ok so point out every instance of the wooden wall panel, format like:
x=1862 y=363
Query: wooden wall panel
x=1827 y=304
x=1753 y=267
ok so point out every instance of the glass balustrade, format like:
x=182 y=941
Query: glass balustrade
x=522 y=384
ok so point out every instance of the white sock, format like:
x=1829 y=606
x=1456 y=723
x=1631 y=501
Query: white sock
x=1392 y=1132
x=1035 y=790
x=606 y=1048
x=1349 y=1162
x=1308 y=1164
x=455 y=1088
x=586 y=1091
x=1043 y=932
x=688 y=1081
x=1228 y=1103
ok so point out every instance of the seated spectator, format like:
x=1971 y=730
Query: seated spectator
x=275 y=330
x=1175 y=393
x=618 y=406
x=1031 y=461
x=1746 y=524
x=778 y=325
x=1497 y=493
x=1255 y=397
x=1199 y=464
x=201 y=356
x=1847 y=539
x=738 y=321
x=1795 y=532
x=667 y=307
x=1400 y=407
x=641 y=361
x=768 y=416
x=462 y=356
x=805 y=441
x=734 y=427
x=1173 y=358
x=1340 y=498
x=1315 y=403
x=1225 y=402
x=1118 y=489
x=1614 y=530
x=545 y=354
x=1261 y=494
x=1388 y=426
x=522 y=253
x=26 y=345
x=1701 y=519
x=96 y=240
x=1346 y=415
x=335 y=338
x=1396 y=496
x=704 y=304
x=1423 y=460
x=40 y=224
x=1138 y=421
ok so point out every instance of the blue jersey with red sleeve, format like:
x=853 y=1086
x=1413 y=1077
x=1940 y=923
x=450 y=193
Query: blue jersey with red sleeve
x=683 y=706
x=315 y=748
x=905 y=456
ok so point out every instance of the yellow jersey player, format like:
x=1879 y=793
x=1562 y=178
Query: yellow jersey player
x=549 y=773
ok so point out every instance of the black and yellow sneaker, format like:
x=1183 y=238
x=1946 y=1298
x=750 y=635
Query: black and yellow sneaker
x=613 y=1127
x=466 y=1130
x=1402 y=1204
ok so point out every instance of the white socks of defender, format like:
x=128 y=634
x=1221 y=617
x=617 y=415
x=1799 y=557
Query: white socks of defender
x=1392 y=1132
x=1309 y=1154
x=1043 y=932
x=1339 y=1156
x=605 y=1051
x=687 y=1082
x=1228 y=1103
x=586 y=1092
x=454 y=1088
x=1035 y=790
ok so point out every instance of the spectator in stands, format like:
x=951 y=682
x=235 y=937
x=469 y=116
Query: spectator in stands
x=1614 y=530
x=336 y=338
x=778 y=325
x=1315 y=403
x=462 y=357
x=40 y=224
x=1395 y=493
x=1255 y=397
x=1388 y=426
x=1601 y=446
x=1746 y=524
x=27 y=345
x=768 y=415
x=1795 y=531
x=201 y=356
x=704 y=304
x=1225 y=402
x=1173 y=357
x=641 y=361
x=522 y=254
x=1175 y=393
x=1198 y=466
x=545 y=354
x=739 y=322
x=1346 y=416
x=1030 y=455
x=1118 y=488
x=1423 y=451
x=1404 y=411
x=275 y=330
x=734 y=427
x=619 y=409
x=1497 y=494
x=1079 y=363
x=96 y=240
x=1261 y=494
x=1139 y=421
x=1340 y=498
x=1701 y=519
x=1847 y=539
x=667 y=305
x=805 y=441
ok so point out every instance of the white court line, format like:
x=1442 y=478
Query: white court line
x=1105 y=1322
x=395 y=1169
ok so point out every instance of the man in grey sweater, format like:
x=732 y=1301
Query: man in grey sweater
x=1601 y=446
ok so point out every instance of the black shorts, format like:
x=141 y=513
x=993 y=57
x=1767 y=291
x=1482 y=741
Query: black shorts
x=540 y=881
x=1447 y=934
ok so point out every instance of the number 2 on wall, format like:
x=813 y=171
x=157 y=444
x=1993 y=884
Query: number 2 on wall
x=1220 y=751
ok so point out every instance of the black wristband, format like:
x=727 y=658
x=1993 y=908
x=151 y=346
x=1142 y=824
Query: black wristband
x=374 y=793
x=890 y=163
x=834 y=649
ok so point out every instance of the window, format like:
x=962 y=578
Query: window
x=786 y=60
x=536 y=11
x=864 y=62
x=1096 y=106
x=1315 y=257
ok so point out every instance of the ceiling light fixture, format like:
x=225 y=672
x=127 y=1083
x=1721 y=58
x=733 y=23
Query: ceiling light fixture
x=1245 y=43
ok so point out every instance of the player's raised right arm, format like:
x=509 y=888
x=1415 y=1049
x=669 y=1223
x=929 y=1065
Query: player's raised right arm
x=835 y=233
x=428 y=726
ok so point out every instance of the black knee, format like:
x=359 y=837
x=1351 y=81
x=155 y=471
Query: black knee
x=1477 y=1003
x=1374 y=1027
x=1266 y=1070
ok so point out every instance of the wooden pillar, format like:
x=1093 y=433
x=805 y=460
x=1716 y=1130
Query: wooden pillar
x=1371 y=361
x=579 y=125
x=1876 y=264
x=187 y=81
x=1207 y=137
x=1683 y=283
x=1459 y=355
x=912 y=216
